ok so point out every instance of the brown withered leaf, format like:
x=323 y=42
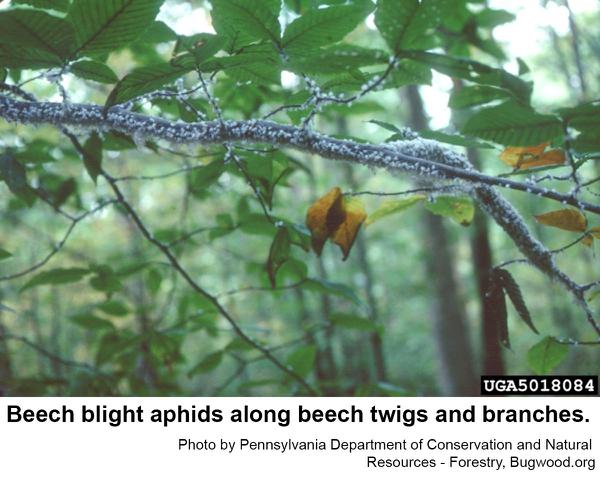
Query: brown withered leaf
x=324 y=217
x=346 y=233
x=534 y=156
x=565 y=219
x=588 y=240
x=333 y=217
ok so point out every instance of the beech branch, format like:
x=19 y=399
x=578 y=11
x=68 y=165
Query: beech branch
x=417 y=157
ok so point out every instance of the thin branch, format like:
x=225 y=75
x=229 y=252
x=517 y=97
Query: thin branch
x=197 y=288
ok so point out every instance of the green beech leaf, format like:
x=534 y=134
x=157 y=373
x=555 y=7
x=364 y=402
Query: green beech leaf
x=459 y=209
x=546 y=355
x=302 y=360
x=144 y=80
x=408 y=24
x=278 y=254
x=512 y=124
x=56 y=276
x=476 y=95
x=14 y=175
x=91 y=321
x=476 y=72
x=391 y=207
x=202 y=178
x=207 y=364
x=246 y=21
x=114 y=308
x=323 y=26
x=105 y=25
x=4 y=254
x=36 y=29
x=27 y=58
x=92 y=70
x=92 y=157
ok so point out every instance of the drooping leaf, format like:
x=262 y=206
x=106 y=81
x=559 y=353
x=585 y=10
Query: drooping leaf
x=93 y=70
x=102 y=26
x=4 y=254
x=92 y=156
x=512 y=124
x=324 y=217
x=459 y=209
x=27 y=58
x=36 y=29
x=496 y=305
x=56 y=276
x=15 y=177
x=302 y=360
x=510 y=286
x=246 y=21
x=565 y=219
x=144 y=80
x=391 y=207
x=278 y=254
x=345 y=234
x=202 y=178
x=546 y=355
x=323 y=26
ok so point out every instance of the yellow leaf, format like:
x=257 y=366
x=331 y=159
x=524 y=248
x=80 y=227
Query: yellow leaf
x=514 y=156
x=588 y=240
x=346 y=233
x=331 y=216
x=595 y=232
x=390 y=207
x=566 y=219
x=528 y=157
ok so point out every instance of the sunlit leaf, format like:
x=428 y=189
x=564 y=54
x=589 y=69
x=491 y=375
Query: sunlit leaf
x=546 y=355
x=390 y=207
x=461 y=210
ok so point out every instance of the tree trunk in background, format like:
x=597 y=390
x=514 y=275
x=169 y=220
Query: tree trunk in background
x=5 y=366
x=365 y=266
x=457 y=373
x=481 y=251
